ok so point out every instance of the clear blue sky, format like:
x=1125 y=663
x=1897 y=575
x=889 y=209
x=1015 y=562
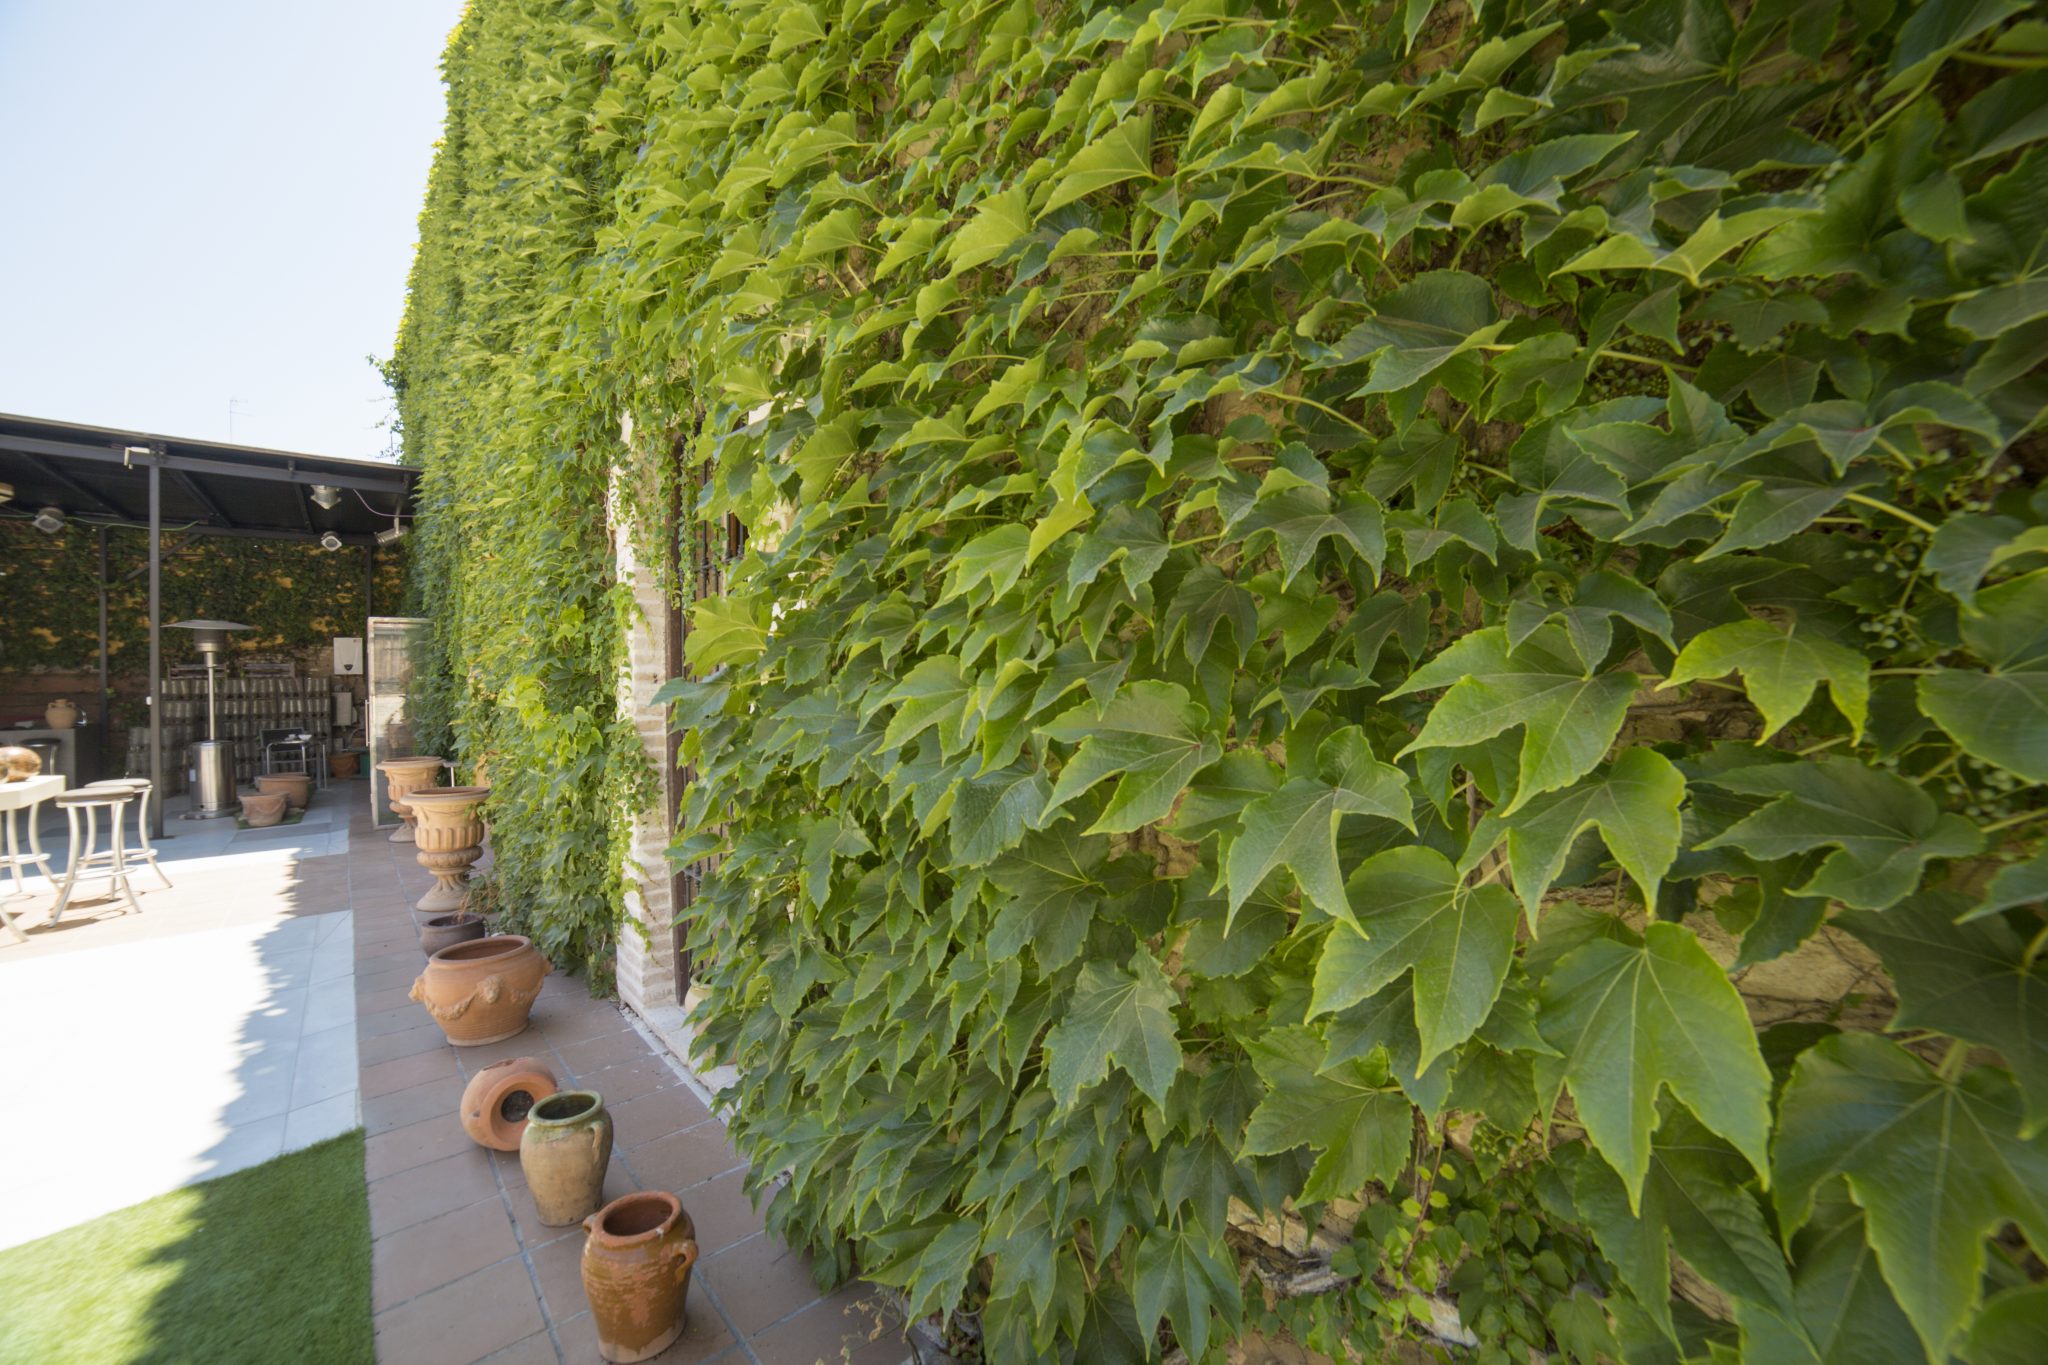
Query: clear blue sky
x=212 y=201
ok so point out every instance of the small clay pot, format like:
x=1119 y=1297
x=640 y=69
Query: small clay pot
x=445 y=931
x=296 y=788
x=19 y=763
x=498 y=1099
x=61 y=714
x=564 y=1153
x=481 y=991
x=636 y=1273
x=344 y=764
x=264 y=809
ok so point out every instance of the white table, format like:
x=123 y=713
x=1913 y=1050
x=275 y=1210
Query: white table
x=16 y=797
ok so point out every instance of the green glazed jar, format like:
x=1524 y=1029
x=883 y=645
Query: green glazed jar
x=564 y=1153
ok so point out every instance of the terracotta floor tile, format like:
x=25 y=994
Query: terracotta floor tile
x=855 y=1325
x=387 y=1047
x=617 y=1181
x=438 y=1187
x=642 y=1119
x=375 y=983
x=566 y=1019
x=409 y=1262
x=721 y=1212
x=412 y=1104
x=704 y=1338
x=398 y=1018
x=392 y=997
x=760 y=1281
x=377 y=964
x=416 y=1144
x=463 y=1321
x=595 y=1054
x=629 y=1080
x=679 y=1160
x=559 y=1267
x=538 y=1349
x=402 y=1072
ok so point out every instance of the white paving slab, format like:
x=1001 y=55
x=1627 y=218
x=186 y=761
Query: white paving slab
x=138 y=1067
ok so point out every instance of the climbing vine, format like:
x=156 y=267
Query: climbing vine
x=1392 y=676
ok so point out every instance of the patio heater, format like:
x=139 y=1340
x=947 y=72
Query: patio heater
x=213 y=763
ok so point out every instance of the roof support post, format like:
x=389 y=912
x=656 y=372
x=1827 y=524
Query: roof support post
x=156 y=646
x=103 y=706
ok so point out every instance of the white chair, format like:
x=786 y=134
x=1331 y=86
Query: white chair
x=83 y=808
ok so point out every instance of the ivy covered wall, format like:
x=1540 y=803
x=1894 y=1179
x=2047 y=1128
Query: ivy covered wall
x=1348 y=589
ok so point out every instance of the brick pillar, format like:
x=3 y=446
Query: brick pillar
x=647 y=958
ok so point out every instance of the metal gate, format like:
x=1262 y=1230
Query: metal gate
x=699 y=555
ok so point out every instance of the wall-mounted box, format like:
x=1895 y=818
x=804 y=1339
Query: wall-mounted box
x=348 y=655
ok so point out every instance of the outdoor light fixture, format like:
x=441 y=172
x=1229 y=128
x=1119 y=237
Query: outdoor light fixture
x=50 y=520
x=325 y=495
x=6 y=492
x=390 y=533
x=329 y=541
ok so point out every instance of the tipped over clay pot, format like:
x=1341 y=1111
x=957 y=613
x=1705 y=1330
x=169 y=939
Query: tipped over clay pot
x=499 y=1099
x=481 y=991
x=445 y=931
x=636 y=1274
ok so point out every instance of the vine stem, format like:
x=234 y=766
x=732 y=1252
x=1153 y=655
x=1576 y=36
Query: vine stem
x=1901 y=513
x=2013 y=821
x=2034 y=947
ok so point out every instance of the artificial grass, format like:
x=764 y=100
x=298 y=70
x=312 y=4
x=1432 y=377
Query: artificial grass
x=271 y=1263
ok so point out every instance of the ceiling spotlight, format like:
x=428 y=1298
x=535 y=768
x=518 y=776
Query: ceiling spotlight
x=390 y=533
x=50 y=520
x=325 y=495
x=6 y=492
x=329 y=541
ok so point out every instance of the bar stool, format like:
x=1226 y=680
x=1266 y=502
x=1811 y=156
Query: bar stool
x=143 y=791
x=13 y=860
x=87 y=858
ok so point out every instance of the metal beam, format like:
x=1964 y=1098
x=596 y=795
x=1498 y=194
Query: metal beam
x=156 y=650
x=398 y=481
x=56 y=475
x=200 y=496
x=250 y=532
x=302 y=498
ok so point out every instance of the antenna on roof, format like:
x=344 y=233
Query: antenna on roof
x=232 y=404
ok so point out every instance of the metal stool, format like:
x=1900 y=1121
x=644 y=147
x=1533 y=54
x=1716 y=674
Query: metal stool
x=142 y=789
x=12 y=859
x=87 y=858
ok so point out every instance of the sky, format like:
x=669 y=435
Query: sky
x=207 y=211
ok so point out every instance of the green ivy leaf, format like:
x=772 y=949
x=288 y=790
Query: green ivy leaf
x=1300 y=519
x=1123 y=153
x=1936 y=1166
x=1780 y=670
x=1360 y=1125
x=1182 y=1275
x=1633 y=1017
x=1124 y=1017
x=1634 y=804
x=1296 y=826
x=1418 y=328
x=1150 y=737
x=2000 y=715
x=724 y=630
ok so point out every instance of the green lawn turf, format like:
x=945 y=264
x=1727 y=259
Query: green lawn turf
x=268 y=1264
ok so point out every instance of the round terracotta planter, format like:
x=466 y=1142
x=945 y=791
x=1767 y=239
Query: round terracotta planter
x=481 y=991
x=564 y=1153
x=344 y=764
x=448 y=826
x=498 y=1099
x=264 y=809
x=296 y=788
x=19 y=763
x=445 y=931
x=636 y=1274
x=403 y=775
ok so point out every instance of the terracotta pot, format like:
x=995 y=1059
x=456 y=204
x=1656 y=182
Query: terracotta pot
x=448 y=826
x=636 y=1273
x=60 y=714
x=481 y=991
x=402 y=775
x=264 y=809
x=296 y=788
x=445 y=931
x=564 y=1153
x=18 y=763
x=344 y=764
x=498 y=1099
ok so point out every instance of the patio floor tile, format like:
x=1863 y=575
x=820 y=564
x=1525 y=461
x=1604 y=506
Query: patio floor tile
x=462 y=1321
x=704 y=1339
x=759 y=1282
x=678 y=1161
x=438 y=1187
x=850 y=1326
x=646 y=1117
x=444 y=1248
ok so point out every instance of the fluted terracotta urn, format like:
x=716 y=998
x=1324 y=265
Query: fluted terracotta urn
x=404 y=775
x=448 y=826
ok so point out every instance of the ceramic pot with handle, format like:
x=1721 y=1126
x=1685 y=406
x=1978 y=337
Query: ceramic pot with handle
x=481 y=991
x=61 y=714
x=564 y=1153
x=636 y=1274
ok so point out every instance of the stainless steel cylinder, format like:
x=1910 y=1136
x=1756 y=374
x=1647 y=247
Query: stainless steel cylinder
x=213 y=780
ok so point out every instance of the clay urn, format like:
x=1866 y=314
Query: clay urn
x=564 y=1153
x=448 y=827
x=60 y=714
x=296 y=788
x=343 y=764
x=636 y=1273
x=445 y=931
x=402 y=775
x=481 y=991
x=498 y=1099
x=263 y=809
x=19 y=763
